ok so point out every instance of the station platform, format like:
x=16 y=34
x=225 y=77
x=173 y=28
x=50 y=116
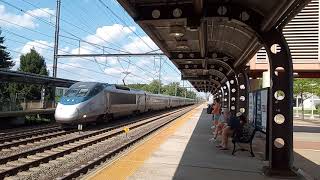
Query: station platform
x=27 y=112
x=183 y=151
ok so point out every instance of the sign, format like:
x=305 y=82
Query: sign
x=252 y=107
x=264 y=109
x=126 y=130
x=258 y=108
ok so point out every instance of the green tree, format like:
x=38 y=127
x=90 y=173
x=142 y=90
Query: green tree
x=171 y=89
x=153 y=87
x=304 y=88
x=137 y=86
x=32 y=62
x=5 y=59
x=5 y=63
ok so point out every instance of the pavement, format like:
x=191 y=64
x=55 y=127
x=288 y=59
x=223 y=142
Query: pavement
x=306 y=143
x=182 y=151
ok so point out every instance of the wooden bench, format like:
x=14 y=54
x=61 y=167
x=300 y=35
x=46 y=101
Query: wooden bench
x=242 y=136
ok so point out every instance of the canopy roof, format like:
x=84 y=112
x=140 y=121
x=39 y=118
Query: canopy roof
x=208 y=39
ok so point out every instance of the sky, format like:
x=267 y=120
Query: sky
x=86 y=27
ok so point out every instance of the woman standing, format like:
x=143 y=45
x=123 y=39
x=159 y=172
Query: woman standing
x=216 y=112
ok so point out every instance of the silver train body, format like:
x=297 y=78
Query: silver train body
x=89 y=101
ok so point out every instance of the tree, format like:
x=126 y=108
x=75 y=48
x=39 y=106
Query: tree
x=5 y=59
x=171 y=89
x=5 y=63
x=153 y=87
x=137 y=86
x=305 y=88
x=32 y=62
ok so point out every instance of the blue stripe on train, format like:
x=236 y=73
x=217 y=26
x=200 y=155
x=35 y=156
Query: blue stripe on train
x=72 y=100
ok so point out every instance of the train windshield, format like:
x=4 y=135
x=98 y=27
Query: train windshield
x=76 y=92
x=82 y=92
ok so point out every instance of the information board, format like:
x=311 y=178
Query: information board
x=252 y=105
x=258 y=108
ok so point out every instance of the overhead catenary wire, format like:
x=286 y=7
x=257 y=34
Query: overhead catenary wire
x=15 y=34
x=19 y=53
x=47 y=22
x=128 y=60
x=112 y=12
x=72 y=24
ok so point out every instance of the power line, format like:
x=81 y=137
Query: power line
x=69 y=65
x=125 y=24
x=69 y=53
x=69 y=23
x=47 y=22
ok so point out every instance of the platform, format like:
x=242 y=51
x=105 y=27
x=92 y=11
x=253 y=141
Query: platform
x=27 y=112
x=182 y=151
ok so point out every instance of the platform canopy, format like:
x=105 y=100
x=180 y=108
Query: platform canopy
x=30 y=78
x=207 y=40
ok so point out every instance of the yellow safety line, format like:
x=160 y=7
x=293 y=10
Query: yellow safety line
x=130 y=162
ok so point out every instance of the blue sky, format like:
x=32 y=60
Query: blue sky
x=30 y=24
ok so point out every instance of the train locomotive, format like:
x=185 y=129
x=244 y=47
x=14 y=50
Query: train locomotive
x=86 y=102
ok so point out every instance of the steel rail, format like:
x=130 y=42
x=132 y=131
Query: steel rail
x=97 y=161
x=118 y=129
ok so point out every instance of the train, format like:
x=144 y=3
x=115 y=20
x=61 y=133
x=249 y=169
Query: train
x=86 y=102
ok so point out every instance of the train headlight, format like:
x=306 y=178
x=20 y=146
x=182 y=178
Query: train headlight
x=84 y=116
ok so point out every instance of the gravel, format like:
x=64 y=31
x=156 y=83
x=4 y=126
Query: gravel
x=57 y=168
x=26 y=147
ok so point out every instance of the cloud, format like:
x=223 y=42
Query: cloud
x=40 y=46
x=83 y=50
x=26 y=19
x=114 y=70
x=110 y=33
x=140 y=45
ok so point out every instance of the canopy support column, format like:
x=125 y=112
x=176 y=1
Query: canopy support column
x=280 y=106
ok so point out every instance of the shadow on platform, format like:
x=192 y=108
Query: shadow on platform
x=201 y=159
x=306 y=129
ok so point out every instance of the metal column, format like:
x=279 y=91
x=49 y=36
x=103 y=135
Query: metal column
x=280 y=106
x=233 y=94
x=243 y=93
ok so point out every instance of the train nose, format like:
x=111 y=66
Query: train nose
x=66 y=113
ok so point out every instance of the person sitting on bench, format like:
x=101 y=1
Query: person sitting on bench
x=233 y=124
x=225 y=115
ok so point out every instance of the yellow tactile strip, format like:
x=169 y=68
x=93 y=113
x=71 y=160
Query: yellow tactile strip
x=129 y=163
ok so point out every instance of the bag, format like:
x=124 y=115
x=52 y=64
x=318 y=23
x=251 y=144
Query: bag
x=209 y=109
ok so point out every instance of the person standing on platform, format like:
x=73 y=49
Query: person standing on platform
x=216 y=112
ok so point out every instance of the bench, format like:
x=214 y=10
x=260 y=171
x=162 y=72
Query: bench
x=243 y=136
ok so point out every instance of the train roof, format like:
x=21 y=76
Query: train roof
x=87 y=85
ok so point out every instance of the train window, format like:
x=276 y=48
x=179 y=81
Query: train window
x=71 y=92
x=121 y=98
x=82 y=92
x=96 y=90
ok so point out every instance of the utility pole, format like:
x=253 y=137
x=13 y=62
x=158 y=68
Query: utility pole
x=56 y=47
x=159 y=77
x=56 y=39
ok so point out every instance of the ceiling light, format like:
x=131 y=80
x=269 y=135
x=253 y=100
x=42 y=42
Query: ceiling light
x=182 y=45
x=177 y=13
x=177 y=31
x=156 y=14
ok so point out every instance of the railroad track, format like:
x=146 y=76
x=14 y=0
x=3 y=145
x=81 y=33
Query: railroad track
x=13 y=164
x=28 y=132
x=40 y=134
x=26 y=129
